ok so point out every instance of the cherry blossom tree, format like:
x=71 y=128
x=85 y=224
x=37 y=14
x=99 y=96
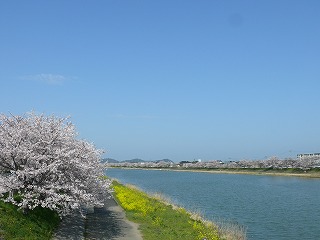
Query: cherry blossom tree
x=42 y=163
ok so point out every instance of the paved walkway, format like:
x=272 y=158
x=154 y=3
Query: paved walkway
x=108 y=222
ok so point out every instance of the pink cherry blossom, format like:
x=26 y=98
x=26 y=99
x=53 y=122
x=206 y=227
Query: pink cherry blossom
x=42 y=163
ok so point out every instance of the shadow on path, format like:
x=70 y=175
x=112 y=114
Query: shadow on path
x=108 y=222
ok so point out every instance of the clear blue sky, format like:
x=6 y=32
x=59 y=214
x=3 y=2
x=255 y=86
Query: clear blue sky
x=169 y=79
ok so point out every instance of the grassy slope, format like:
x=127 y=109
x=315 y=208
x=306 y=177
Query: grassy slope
x=37 y=224
x=295 y=172
x=159 y=220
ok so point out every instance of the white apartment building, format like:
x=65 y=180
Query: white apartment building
x=306 y=155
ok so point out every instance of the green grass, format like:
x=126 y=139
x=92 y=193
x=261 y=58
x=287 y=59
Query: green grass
x=37 y=224
x=160 y=220
x=309 y=173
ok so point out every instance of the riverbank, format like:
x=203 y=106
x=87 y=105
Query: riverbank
x=37 y=224
x=285 y=173
x=313 y=173
x=108 y=222
x=269 y=207
x=159 y=219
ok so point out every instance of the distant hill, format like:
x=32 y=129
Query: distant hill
x=109 y=160
x=135 y=160
x=163 y=160
x=138 y=160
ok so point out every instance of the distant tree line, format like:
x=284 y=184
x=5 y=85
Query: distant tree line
x=271 y=163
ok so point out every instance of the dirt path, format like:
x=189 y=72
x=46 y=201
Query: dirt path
x=108 y=222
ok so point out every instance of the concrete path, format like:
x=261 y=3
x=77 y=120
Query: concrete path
x=108 y=222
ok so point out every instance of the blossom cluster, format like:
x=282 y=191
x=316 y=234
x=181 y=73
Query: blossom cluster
x=42 y=163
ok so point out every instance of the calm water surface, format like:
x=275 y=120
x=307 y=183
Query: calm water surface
x=271 y=207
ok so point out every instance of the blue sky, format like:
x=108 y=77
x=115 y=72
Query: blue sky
x=169 y=79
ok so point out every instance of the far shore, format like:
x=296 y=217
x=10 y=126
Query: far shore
x=277 y=172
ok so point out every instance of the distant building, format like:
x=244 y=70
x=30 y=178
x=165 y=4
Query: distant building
x=306 y=155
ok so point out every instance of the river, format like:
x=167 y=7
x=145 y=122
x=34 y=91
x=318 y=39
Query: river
x=270 y=207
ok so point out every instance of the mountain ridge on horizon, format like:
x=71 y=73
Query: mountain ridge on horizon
x=134 y=160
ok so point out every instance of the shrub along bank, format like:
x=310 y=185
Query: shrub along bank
x=37 y=224
x=163 y=221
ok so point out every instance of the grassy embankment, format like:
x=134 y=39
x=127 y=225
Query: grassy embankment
x=296 y=172
x=293 y=172
x=157 y=220
x=37 y=224
x=160 y=220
